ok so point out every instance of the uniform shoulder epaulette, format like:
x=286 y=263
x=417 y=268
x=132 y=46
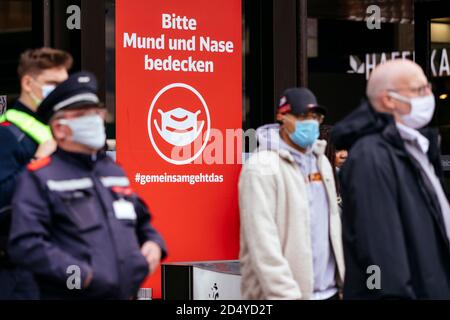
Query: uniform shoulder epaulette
x=39 y=164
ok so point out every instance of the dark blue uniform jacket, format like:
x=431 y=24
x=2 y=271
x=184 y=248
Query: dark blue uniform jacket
x=64 y=224
x=16 y=151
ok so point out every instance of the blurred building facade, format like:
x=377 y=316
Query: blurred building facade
x=324 y=44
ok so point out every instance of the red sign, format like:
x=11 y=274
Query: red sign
x=178 y=120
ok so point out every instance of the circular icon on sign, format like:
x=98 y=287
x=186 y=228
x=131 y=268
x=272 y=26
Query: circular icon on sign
x=177 y=117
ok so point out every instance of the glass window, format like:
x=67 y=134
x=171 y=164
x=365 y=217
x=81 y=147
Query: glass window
x=110 y=58
x=343 y=50
x=440 y=72
x=440 y=79
x=15 y=36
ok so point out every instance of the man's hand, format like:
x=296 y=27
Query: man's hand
x=88 y=280
x=45 y=149
x=152 y=252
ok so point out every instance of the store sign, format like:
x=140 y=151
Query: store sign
x=3 y=104
x=438 y=61
x=178 y=95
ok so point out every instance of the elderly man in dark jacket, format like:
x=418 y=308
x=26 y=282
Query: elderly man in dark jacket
x=396 y=217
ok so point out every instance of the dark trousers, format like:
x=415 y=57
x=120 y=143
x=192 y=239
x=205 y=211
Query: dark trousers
x=17 y=284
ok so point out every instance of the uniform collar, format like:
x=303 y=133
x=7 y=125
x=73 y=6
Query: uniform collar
x=86 y=160
x=19 y=106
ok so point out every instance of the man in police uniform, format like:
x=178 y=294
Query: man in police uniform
x=23 y=137
x=76 y=223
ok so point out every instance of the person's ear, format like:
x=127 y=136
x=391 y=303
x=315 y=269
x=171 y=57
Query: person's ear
x=289 y=122
x=280 y=118
x=387 y=101
x=60 y=132
x=26 y=83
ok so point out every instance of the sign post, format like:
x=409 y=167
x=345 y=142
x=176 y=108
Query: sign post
x=179 y=118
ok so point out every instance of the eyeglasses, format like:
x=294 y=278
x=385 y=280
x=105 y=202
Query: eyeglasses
x=420 y=91
x=311 y=116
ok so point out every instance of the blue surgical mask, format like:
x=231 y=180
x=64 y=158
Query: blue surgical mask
x=306 y=133
x=47 y=89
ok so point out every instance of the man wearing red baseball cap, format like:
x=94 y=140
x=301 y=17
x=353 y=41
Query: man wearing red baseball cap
x=291 y=244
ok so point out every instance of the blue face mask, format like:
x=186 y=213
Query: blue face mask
x=306 y=133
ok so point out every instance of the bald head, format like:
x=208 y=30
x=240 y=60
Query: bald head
x=392 y=75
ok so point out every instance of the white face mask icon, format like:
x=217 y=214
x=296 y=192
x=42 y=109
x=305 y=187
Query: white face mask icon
x=179 y=126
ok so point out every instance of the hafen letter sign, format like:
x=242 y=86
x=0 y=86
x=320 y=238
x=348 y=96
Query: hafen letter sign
x=178 y=120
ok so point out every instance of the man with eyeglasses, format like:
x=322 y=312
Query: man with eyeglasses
x=396 y=217
x=77 y=225
x=24 y=138
x=290 y=246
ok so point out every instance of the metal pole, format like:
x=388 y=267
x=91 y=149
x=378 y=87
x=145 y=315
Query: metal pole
x=302 y=42
x=47 y=23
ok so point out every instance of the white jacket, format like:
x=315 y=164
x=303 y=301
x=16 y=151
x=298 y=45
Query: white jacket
x=275 y=245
